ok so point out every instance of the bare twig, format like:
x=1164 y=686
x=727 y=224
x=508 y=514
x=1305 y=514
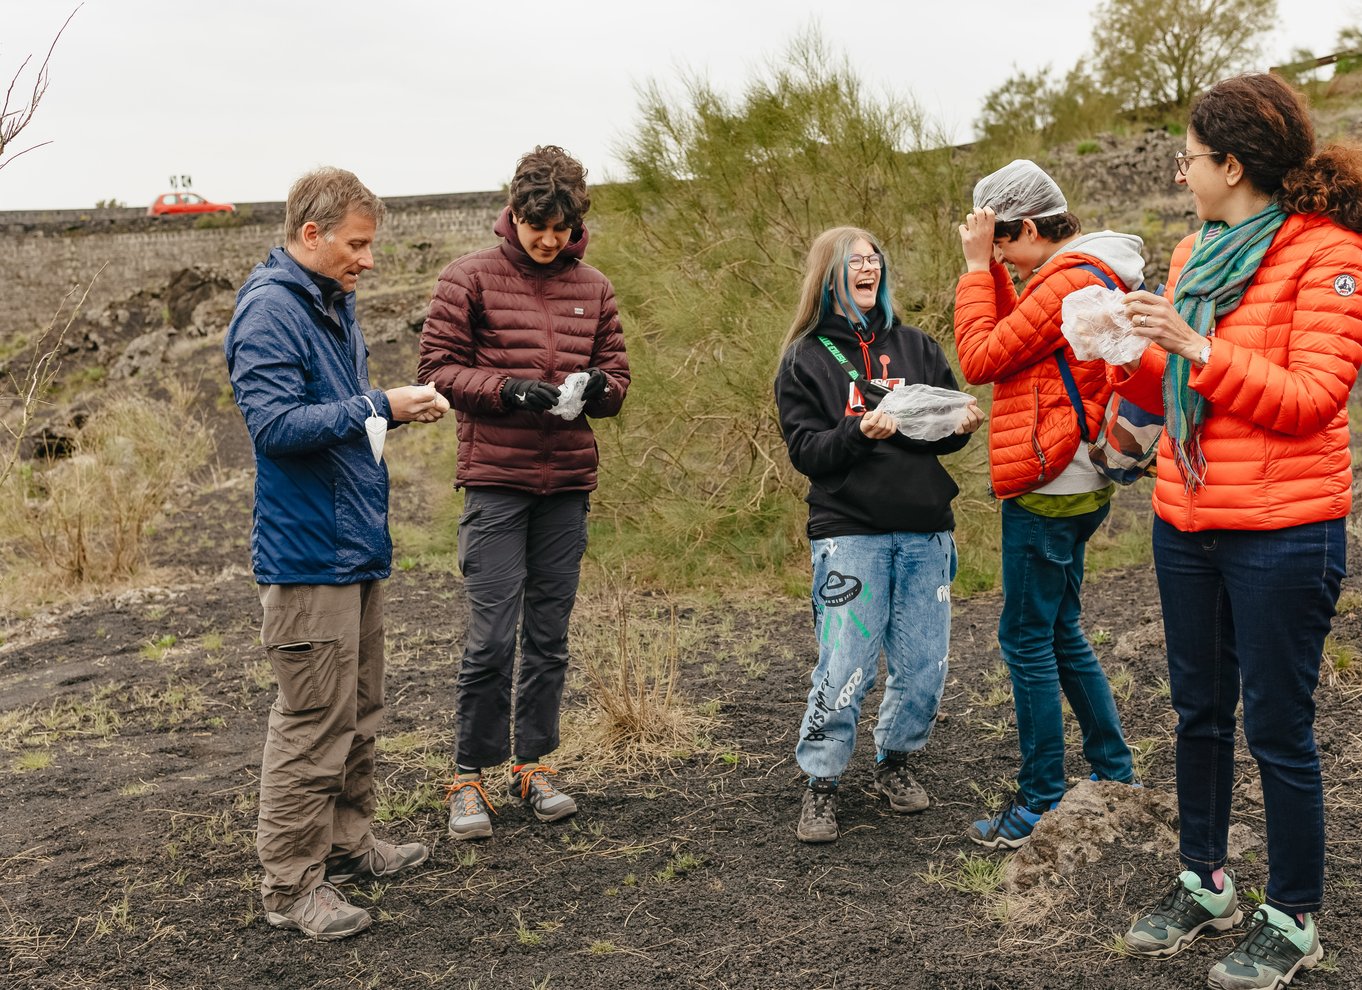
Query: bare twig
x=13 y=122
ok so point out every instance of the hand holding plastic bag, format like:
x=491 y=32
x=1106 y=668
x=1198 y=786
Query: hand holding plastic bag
x=1096 y=326
x=926 y=412
x=570 y=397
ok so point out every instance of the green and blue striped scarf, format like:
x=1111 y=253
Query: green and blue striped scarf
x=1223 y=263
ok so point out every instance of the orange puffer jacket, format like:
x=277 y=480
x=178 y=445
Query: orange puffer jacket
x=1010 y=341
x=1282 y=364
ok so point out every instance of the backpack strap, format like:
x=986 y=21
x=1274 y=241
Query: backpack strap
x=1066 y=373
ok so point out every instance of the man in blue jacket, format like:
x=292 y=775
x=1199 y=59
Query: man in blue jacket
x=320 y=550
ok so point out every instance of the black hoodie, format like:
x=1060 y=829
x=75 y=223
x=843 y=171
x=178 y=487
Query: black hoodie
x=858 y=485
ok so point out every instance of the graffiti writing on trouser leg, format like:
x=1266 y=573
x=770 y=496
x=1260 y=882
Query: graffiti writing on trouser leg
x=838 y=590
x=818 y=718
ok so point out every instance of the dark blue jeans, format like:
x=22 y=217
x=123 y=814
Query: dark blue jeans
x=1246 y=613
x=1046 y=653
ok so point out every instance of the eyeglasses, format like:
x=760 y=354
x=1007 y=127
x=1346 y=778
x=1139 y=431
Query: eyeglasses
x=858 y=261
x=1184 y=160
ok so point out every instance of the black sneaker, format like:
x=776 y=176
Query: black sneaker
x=1270 y=954
x=818 y=813
x=1186 y=911
x=893 y=781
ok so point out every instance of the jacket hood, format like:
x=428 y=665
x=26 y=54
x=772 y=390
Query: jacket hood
x=1120 y=252
x=834 y=326
x=280 y=269
x=574 y=250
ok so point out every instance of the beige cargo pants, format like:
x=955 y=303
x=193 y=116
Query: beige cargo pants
x=325 y=643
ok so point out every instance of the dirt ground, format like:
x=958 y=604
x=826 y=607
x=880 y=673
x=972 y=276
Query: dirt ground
x=132 y=725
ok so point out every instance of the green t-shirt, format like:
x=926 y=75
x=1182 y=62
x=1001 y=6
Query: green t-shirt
x=1061 y=506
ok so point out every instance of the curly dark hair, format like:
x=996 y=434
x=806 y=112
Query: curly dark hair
x=1052 y=228
x=549 y=183
x=1266 y=125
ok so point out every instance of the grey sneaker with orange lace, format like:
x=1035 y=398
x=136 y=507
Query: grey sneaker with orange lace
x=322 y=913
x=530 y=783
x=382 y=862
x=470 y=809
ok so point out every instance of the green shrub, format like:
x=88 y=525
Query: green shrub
x=706 y=248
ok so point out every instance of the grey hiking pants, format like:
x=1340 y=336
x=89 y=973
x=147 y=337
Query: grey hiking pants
x=325 y=642
x=521 y=557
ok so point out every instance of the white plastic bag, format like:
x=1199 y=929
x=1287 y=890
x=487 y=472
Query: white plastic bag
x=1096 y=326
x=377 y=428
x=569 y=404
x=925 y=412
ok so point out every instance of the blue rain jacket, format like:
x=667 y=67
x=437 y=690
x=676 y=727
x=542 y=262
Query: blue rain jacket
x=300 y=378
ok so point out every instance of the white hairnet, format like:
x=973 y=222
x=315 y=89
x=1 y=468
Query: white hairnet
x=1020 y=191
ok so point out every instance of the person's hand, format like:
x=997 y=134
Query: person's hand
x=595 y=386
x=878 y=425
x=528 y=394
x=416 y=404
x=1154 y=317
x=976 y=239
x=974 y=418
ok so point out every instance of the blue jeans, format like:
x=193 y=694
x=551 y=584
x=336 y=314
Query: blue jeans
x=1046 y=653
x=1245 y=614
x=885 y=592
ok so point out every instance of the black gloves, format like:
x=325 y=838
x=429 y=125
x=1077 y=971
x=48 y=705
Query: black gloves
x=533 y=396
x=595 y=384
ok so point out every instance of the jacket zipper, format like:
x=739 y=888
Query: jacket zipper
x=1035 y=427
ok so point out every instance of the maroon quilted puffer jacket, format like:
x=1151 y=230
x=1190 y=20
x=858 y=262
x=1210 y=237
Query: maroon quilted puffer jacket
x=497 y=314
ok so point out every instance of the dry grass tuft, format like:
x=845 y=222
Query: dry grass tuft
x=636 y=716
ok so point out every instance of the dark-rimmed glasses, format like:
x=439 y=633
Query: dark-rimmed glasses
x=858 y=261
x=1184 y=160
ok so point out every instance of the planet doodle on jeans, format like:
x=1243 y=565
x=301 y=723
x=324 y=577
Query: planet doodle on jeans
x=839 y=588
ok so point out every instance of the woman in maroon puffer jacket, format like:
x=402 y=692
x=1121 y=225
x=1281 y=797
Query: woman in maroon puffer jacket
x=506 y=327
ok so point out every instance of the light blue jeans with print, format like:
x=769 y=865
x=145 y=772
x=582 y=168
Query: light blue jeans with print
x=889 y=593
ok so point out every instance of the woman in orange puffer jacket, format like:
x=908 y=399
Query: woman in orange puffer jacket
x=1259 y=341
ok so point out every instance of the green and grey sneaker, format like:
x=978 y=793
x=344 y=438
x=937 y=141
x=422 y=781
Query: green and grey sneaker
x=532 y=786
x=893 y=781
x=818 y=812
x=1185 y=912
x=1270 y=954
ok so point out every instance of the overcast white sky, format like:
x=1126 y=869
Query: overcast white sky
x=417 y=96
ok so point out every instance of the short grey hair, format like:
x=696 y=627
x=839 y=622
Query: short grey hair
x=324 y=196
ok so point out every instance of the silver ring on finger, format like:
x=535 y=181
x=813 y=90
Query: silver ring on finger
x=1143 y=319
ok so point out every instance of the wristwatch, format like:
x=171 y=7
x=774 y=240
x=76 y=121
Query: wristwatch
x=1204 y=357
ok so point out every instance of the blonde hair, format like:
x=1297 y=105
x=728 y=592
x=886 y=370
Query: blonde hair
x=819 y=295
x=324 y=196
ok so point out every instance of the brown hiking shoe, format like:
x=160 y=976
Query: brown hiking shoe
x=818 y=813
x=893 y=780
x=384 y=860
x=322 y=913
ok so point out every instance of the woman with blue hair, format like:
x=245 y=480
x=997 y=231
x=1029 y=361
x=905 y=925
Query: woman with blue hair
x=880 y=522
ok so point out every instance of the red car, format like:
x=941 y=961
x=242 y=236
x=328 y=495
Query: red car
x=185 y=202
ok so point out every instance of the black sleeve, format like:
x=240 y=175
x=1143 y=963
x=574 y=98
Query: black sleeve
x=820 y=441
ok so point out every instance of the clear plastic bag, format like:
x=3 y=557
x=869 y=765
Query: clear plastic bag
x=569 y=404
x=926 y=412
x=1096 y=326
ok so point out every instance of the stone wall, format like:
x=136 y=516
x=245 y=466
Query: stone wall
x=47 y=263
